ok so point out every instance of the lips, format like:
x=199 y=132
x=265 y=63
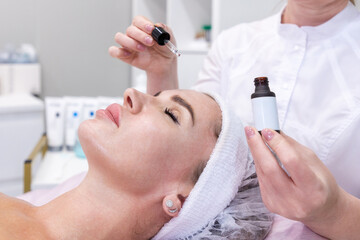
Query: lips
x=113 y=112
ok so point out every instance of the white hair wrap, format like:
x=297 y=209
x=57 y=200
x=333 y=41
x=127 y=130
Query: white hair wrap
x=218 y=183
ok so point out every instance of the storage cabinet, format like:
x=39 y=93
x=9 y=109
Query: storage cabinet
x=21 y=126
x=18 y=78
x=187 y=18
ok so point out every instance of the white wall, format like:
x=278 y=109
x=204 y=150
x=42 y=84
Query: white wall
x=17 y=21
x=72 y=38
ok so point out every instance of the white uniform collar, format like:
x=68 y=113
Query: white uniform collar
x=323 y=31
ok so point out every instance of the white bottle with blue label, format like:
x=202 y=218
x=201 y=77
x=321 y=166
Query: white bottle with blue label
x=264 y=106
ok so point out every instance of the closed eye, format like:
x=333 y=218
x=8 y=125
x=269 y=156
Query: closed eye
x=171 y=115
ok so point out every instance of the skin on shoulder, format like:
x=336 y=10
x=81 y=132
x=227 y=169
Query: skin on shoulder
x=18 y=221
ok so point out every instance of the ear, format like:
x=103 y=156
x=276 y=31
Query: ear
x=172 y=204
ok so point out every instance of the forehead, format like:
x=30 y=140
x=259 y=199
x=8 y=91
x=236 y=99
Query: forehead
x=192 y=96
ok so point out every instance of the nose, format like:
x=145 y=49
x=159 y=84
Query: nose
x=134 y=100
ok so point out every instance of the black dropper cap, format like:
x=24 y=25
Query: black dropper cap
x=160 y=35
x=262 y=88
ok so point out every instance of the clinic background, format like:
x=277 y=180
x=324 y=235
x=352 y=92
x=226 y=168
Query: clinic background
x=71 y=39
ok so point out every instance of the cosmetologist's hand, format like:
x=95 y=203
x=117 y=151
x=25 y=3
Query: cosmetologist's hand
x=138 y=48
x=311 y=194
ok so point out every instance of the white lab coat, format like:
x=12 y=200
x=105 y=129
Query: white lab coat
x=315 y=73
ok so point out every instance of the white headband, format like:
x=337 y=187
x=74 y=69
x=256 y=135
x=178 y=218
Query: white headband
x=217 y=184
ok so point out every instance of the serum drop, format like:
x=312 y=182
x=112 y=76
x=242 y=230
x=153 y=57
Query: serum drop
x=264 y=106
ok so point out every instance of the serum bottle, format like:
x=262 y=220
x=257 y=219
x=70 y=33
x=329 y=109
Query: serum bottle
x=264 y=106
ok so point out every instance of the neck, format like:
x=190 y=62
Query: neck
x=311 y=12
x=101 y=212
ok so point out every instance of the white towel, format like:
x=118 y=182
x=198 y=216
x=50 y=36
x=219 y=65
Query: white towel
x=217 y=184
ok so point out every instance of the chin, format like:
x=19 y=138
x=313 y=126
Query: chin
x=87 y=133
x=93 y=136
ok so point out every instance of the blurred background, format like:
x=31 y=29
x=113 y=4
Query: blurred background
x=71 y=39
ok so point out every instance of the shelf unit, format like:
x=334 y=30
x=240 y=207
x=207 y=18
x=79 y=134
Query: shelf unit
x=186 y=19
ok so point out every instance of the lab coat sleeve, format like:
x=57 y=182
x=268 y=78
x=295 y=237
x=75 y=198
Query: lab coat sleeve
x=209 y=79
x=344 y=158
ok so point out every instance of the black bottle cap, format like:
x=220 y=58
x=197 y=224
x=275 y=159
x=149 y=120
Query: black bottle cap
x=160 y=35
x=262 y=88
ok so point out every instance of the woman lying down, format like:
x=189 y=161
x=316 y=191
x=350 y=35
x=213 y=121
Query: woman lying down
x=170 y=166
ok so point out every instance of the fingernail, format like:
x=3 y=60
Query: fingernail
x=140 y=47
x=148 y=40
x=249 y=132
x=126 y=53
x=268 y=134
x=149 y=28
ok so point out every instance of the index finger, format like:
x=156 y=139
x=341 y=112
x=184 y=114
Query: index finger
x=143 y=23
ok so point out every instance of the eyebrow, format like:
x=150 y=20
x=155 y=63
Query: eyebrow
x=182 y=102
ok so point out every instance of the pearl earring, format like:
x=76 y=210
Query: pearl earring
x=172 y=210
x=169 y=203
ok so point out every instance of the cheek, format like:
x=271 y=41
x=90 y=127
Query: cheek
x=154 y=150
x=149 y=159
x=150 y=141
x=144 y=133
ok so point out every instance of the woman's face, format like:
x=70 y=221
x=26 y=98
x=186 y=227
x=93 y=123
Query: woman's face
x=151 y=142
